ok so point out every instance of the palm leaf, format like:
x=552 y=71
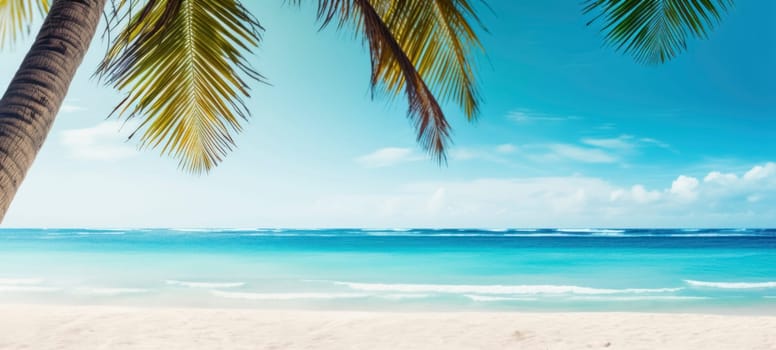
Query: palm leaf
x=15 y=15
x=182 y=65
x=423 y=48
x=655 y=31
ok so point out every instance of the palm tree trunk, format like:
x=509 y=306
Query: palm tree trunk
x=33 y=98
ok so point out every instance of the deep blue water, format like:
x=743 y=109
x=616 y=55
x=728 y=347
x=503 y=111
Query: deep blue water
x=546 y=269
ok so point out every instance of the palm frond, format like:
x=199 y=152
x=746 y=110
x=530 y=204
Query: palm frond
x=655 y=31
x=438 y=38
x=182 y=66
x=424 y=48
x=15 y=15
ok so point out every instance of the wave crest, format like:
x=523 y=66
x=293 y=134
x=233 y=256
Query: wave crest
x=494 y=289
x=732 y=285
x=98 y=291
x=205 y=284
x=286 y=296
x=20 y=281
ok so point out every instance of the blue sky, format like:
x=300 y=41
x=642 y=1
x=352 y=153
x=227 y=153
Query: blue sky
x=571 y=134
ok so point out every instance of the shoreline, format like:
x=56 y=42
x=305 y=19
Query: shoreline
x=126 y=327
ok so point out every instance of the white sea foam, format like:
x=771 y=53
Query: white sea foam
x=590 y=230
x=272 y=234
x=493 y=289
x=538 y=235
x=732 y=285
x=191 y=229
x=98 y=291
x=389 y=233
x=382 y=230
x=404 y=296
x=713 y=235
x=461 y=235
x=575 y=230
x=205 y=284
x=483 y=298
x=20 y=281
x=28 y=289
x=286 y=296
x=638 y=298
x=101 y=233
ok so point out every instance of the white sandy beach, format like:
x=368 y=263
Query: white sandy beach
x=102 y=327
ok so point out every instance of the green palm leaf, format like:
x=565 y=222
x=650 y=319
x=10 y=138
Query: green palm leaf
x=16 y=14
x=424 y=48
x=655 y=31
x=182 y=65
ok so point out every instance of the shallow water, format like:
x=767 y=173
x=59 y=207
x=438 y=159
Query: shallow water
x=531 y=270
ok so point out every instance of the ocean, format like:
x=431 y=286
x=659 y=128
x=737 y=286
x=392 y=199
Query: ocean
x=664 y=270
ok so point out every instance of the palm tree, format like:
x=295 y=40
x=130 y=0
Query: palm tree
x=182 y=66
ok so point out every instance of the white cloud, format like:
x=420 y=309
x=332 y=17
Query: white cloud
x=605 y=150
x=761 y=172
x=527 y=116
x=638 y=194
x=100 y=142
x=623 y=142
x=506 y=148
x=684 y=187
x=753 y=198
x=580 y=154
x=463 y=154
x=561 y=201
x=69 y=108
x=71 y=105
x=388 y=156
x=497 y=154
x=565 y=201
x=437 y=200
x=607 y=126
x=720 y=178
x=654 y=142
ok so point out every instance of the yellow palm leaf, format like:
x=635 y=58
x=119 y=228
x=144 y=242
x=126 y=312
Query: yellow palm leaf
x=15 y=15
x=182 y=66
x=424 y=48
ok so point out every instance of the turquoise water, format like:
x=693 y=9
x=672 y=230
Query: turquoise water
x=530 y=270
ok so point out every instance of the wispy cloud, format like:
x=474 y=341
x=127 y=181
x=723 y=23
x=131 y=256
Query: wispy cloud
x=71 y=106
x=605 y=150
x=460 y=153
x=654 y=142
x=561 y=151
x=497 y=154
x=625 y=142
x=389 y=156
x=506 y=148
x=606 y=126
x=392 y=156
x=527 y=116
x=100 y=142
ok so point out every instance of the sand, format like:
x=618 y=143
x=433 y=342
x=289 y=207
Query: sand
x=103 y=327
